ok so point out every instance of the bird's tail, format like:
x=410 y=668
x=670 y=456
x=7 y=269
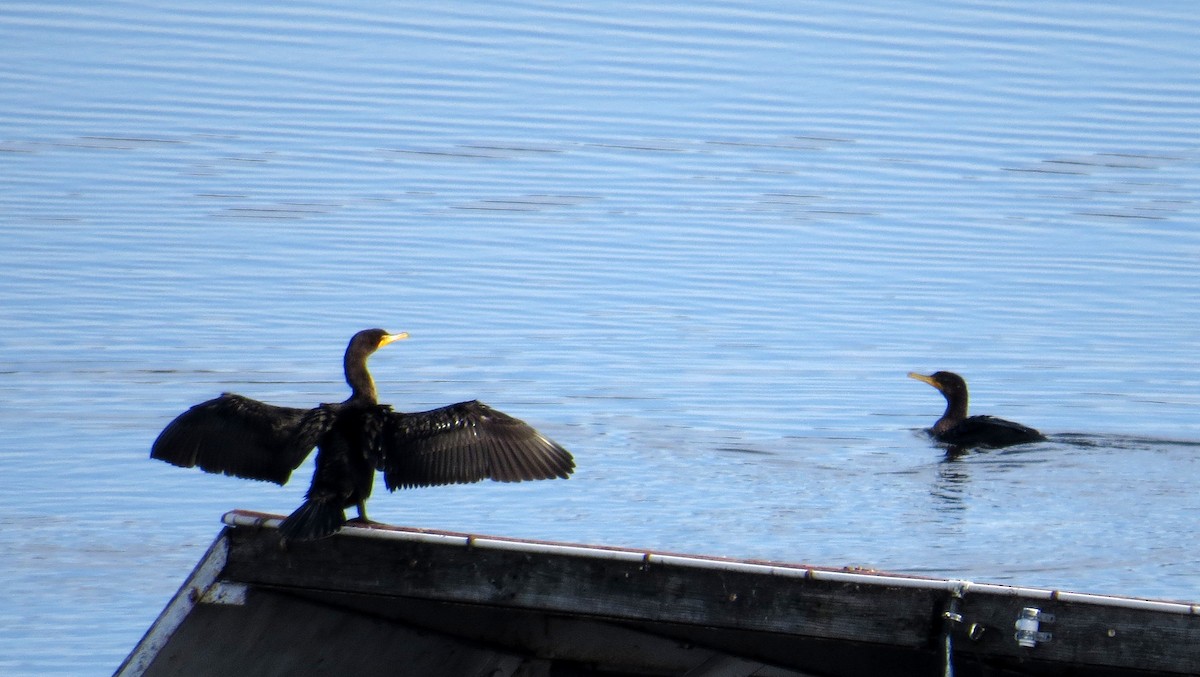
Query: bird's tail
x=312 y=520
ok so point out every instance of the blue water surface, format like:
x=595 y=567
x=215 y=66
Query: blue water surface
x=700 y=244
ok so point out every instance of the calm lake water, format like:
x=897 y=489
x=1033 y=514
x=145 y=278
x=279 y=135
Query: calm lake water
x=700 y=244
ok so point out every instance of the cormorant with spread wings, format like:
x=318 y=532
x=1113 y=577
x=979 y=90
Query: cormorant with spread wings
x=460 y=443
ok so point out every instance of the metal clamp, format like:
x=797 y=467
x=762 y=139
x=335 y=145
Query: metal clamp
x=951 y=617
x=1028 y=627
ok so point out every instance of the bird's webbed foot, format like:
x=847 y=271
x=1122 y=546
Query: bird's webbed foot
x=362 y=519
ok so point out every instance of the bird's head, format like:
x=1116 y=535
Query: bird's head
x=368 y=341
x=951 y=385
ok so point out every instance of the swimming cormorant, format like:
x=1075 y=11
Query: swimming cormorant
x=459 y=443
x=961 y=432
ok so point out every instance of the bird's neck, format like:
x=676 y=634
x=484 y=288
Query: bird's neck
x=956 y=412
x=362 y=386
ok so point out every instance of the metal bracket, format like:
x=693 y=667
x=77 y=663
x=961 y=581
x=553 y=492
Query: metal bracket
x=226 y=593
x=952 y=617
x=1028 y=627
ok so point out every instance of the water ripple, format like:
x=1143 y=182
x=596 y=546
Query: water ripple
x=699 y=244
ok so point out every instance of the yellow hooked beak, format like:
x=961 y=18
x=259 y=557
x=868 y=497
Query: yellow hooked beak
x=388 y=338
x=926 y=379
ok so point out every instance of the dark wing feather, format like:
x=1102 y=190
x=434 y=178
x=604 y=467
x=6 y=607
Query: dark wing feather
x=989 y=431
x=236 y=435
x=463 y=443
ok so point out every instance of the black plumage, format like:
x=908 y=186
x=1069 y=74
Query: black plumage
x=959 y=431
x=460 y=443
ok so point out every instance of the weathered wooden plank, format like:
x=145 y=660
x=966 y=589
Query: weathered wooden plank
x=275 y=635
x=1082 y=633
x=596 y=587
x=621 y=585
x=611 y=647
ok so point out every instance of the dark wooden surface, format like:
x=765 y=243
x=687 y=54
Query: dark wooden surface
x=820 y=626
x=277 y=635
x=589 y=586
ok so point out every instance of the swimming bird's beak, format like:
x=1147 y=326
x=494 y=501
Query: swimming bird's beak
x=388 y=338
x=926 y=379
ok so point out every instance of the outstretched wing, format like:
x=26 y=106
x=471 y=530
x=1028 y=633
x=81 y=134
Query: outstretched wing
x=236 y=435
x=463 y=443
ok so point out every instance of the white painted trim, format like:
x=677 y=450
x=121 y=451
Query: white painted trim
x=236 y=519
x=193 y=590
